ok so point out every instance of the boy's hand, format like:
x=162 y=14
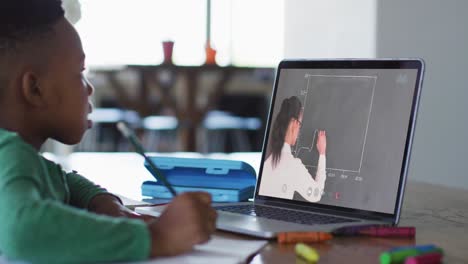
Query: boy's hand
x=106 y=204
x=188 y=220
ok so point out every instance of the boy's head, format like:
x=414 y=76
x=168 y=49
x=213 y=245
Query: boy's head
x=43 y=92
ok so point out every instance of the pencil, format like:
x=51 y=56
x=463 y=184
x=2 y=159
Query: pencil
x=140 y=150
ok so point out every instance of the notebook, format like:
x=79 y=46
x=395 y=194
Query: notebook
x=217 y=250
x=336 y=149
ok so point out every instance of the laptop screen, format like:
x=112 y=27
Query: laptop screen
x=339 y=133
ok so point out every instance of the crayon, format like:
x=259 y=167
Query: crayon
x=430 y=258
x=352 y=230
x=389 y=231
x=305 y=237
x=422 y=248
x=306 y=252
x=400 y=255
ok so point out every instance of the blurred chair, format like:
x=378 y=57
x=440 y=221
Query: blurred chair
x=104 y=136
x=160 y=133
x=225 y=132
x=237 y=124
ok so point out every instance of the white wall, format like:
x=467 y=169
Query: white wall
x=329 y=28
x=435 y=30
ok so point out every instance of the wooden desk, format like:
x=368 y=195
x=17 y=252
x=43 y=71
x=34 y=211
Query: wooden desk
x=163 y=78
x=440 y=214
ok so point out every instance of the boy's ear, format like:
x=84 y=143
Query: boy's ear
x=31 y=91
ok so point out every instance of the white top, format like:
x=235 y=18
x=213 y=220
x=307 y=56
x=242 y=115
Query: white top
x=291 y=175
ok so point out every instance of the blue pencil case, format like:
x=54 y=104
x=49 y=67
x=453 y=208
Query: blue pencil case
x=225 y=180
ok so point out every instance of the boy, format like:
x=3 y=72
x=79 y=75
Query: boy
x=47 y=215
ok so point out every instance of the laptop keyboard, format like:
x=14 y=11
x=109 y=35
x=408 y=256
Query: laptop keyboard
x=283 y=214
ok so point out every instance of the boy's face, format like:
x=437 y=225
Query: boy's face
x=68 y=90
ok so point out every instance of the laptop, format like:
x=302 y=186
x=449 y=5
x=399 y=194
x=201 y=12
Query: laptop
x=336 y=149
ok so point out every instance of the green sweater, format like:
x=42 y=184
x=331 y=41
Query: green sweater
x=43 y=216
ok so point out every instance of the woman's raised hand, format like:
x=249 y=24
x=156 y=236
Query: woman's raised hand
x=322 y=142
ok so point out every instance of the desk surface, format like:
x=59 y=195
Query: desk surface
x=439 y=213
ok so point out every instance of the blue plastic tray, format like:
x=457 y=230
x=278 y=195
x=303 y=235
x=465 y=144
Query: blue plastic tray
x=226 y=180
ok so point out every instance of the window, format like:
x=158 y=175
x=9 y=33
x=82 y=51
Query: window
x=118 y=32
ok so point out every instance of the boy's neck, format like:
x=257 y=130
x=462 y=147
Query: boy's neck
x=23 y=129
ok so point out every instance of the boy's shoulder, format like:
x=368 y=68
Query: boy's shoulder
x=12 y=145
x=18 y=157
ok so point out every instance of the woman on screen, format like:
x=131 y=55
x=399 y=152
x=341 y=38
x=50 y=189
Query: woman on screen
x=283 y=174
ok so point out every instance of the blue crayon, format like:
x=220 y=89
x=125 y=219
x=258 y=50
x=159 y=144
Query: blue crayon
x=422 y=248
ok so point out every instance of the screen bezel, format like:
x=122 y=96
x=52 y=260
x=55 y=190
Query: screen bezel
x=413 y=63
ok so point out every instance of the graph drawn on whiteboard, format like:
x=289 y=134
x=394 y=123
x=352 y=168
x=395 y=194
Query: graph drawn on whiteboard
x=342 y=106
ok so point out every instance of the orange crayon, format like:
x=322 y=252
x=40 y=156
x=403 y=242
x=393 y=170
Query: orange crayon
x=304 y=237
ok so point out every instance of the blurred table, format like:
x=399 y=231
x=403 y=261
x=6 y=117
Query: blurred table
x=163 y=78
x=440 y=214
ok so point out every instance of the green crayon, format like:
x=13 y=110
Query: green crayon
x=395 y=257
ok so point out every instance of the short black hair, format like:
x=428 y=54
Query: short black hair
x=24 y=20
